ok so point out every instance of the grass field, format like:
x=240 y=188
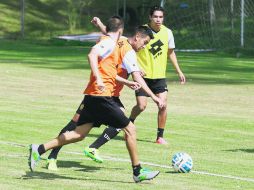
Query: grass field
x=210 y=118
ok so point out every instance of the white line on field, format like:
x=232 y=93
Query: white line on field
x=146 y=163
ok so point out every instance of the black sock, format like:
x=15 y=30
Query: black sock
x=160 y=132
x=108 y=133
x=132 y=120
x=69 y=127
x=136 y=169
x=41 y=149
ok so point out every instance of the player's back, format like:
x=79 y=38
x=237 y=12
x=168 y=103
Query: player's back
x=127 y=62
x=107 y=63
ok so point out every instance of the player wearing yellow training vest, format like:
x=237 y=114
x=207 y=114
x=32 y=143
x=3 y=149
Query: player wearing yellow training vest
x=153 y=61
x=153 y=58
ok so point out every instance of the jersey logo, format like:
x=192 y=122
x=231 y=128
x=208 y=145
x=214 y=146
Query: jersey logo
x=156 y=47
x=81 y=107
x=120 y=44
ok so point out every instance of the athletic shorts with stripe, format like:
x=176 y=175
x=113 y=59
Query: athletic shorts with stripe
x=103 y=110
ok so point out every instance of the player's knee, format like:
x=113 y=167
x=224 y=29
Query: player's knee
x=142 y=107
x=75 y=118
x=80 y=137
x=163 y=109
x=124 y=137
x=130 y=132
x=129 y=136
x=77 y=135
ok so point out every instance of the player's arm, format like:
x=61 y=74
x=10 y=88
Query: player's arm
x=93 y=58
x=138 y=78
x=97 y=22
x=131 y=84
x=131 y=65
x=172 y=57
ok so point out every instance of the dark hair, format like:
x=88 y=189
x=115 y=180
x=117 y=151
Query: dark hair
x=114 y=23
x=144 y=31
x=156 y=8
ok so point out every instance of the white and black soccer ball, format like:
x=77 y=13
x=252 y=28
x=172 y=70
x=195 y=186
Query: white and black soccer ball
x=182 y=162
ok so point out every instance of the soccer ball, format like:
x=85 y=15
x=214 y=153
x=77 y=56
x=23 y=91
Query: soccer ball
x=182 y=162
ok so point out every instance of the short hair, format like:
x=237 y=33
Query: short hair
x=156 y=8
x=114 y=23
x=144 y=31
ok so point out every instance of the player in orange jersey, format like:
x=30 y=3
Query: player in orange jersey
x=100 y=107
x=128 y=66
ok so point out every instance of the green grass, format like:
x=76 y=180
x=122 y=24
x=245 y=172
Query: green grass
x=211 y=118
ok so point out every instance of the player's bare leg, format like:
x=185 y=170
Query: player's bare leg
x=66 y=138
x=131 y=143
x=139 y=107
x=139 y=173
x=161 y=119
x=69 y=137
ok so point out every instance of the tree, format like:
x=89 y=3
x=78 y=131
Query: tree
x=75 y=8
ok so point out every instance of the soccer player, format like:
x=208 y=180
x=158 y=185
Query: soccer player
x=99 y=105
x=128 y=67
x=153 y=61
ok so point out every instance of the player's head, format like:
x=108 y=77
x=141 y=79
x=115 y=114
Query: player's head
x=115 y=24
x=141 y=37
x=156 y=15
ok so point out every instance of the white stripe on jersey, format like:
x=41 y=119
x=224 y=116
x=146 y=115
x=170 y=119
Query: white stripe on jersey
x=105 y=47
x=171 y=41
x=130 y=62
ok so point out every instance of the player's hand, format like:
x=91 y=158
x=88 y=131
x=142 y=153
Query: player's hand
x=133 y=85
x=159 y=102
x=101 y=85
x=96 y=21
x=142 y=73
x=182 y=78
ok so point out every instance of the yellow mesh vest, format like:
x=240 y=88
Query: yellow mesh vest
x=153 y=58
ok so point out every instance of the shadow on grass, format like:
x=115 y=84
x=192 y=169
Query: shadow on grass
x=173 y=172
x=52 y=176
x=75 y=164
x=145 y=140
x=43 y=175
x=247 y=150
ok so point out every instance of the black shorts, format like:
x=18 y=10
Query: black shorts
x=157 y=86
x=102 y=110
x=80 y=108
x=118 y=101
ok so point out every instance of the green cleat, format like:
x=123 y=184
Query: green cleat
x=34 y=156
x=145 y=174
x=93 y=153
x=51 y=164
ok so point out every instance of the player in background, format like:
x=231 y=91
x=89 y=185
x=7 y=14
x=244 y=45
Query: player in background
x=100 y=107
x=153 y=61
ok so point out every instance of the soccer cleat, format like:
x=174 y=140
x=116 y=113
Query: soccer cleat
x=161 y=140
x=34 y=156
x=93 y=153
x=145 y=174
x=51 y=164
